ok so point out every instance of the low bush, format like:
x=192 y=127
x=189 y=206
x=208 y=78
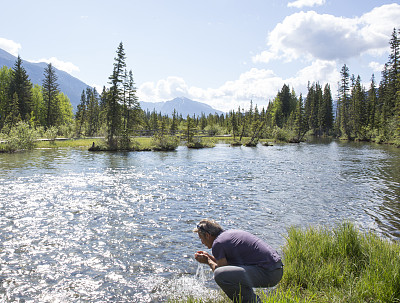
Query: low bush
x=20 y=137
x=164 y=142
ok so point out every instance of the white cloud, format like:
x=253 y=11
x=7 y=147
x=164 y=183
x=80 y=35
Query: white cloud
x=376 y=66
x=264 y=56
x=303 y=3
x=10 y=46
x=61 y=65
x=311 y=36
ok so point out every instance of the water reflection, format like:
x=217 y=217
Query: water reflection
x=93 y=227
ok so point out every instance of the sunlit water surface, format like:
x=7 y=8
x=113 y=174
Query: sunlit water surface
x=77 y=226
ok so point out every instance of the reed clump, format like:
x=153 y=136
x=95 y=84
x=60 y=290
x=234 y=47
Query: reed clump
x=341 y=265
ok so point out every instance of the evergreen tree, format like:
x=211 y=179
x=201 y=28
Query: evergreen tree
x=190 y=129
x=300 y=126
x=358 y=110
x=133 y=106
x=286 y=102
x=311 y=108
x=93 y=113
x=174 y=124
x=344 y=102
x=22 y=86
x=80 y=116
x=154 y=121
x=372 y=105
x=234 y=125
x=50 y=92
x=384 y=104
x=327 y=110
x=114 y=97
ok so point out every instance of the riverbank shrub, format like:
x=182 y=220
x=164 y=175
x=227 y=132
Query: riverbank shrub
x=165 y=142
x=51 y=133
x=199 y=143
x=20 y=137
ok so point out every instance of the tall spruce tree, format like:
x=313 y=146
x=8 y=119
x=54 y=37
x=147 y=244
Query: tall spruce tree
x=80 y=116
x=299 y=122
x=327 y=110
x=22 y=86
x=93 y=113
x=50 y=92
x=132 y=104
x=115 y=97
x=344 y=102
x=372 y=105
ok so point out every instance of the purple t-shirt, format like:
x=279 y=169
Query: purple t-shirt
x=243 y=248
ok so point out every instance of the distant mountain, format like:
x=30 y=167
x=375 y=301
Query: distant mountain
x=183 y=106
x=69 y=85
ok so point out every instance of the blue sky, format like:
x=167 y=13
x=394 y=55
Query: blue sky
x=220 y=52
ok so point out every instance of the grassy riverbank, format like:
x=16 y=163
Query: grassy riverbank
x=142 y=143
x=339 y=265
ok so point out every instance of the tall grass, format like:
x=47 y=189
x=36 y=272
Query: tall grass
x=342 y=265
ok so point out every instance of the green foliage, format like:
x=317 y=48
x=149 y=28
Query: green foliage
x=51 y=133
x=213 y=130
x=162 y=142
x=198 y=143
x=67 y=130
x=282 y=135
x=20 y=137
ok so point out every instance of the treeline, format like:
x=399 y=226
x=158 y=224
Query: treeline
x=371 y=114
x=41 y=106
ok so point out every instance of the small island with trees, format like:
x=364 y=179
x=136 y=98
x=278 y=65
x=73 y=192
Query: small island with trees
x=29 y=112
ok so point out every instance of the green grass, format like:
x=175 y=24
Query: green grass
x=143 y=143
x=341 y=264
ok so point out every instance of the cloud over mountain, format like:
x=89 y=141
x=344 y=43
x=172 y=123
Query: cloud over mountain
x=10 y=46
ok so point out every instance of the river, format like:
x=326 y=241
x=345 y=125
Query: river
x=77 y=226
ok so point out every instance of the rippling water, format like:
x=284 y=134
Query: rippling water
x=77 y=226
